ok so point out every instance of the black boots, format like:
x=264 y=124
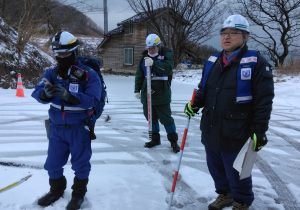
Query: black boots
x=57 y=188
x=173 y=138
x=154 y=142
x=79 y=190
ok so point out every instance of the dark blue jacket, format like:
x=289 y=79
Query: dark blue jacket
x=226 y=122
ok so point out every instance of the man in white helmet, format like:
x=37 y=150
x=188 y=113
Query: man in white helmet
x=73 y=90
x=236 y=93
x=161 y=60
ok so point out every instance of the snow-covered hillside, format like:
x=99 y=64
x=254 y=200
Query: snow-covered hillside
x=30 y=62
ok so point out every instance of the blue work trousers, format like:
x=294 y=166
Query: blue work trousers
x=63 y=141
x=226 y=178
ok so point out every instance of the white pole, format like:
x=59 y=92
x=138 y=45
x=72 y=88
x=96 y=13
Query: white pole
x=149 y=102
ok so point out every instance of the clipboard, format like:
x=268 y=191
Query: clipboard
x=245 y=160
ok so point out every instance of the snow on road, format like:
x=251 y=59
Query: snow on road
x=125 y=175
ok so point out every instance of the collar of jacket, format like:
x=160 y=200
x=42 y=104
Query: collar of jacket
x=235 y=59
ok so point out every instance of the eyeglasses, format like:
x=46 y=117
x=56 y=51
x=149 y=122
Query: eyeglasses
x=223 y=34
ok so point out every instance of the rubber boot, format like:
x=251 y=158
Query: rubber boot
x=154 y=142
x=173 y=138
x=79 y=190
x=57 y=188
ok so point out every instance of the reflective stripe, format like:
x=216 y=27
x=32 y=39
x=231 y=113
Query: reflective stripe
x=158 y=78
x=212 y=58
x=249 y=59
x=243 y=98
x=70 y=108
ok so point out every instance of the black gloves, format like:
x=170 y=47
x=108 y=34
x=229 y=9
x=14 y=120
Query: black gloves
x=61 y=92
x=49 y=90
x=259 y=140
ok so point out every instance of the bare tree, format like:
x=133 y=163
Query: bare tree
x=28 y=22
x=30 y=17
x=187 y=21
x=279 y=21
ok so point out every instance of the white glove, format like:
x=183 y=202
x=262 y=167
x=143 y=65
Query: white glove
x=148 y=61
x=138 y=95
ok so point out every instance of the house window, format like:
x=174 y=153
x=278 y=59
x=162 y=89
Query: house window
x=128 y=56
x=130 y=29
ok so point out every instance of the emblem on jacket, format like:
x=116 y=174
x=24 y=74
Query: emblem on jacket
x=246 y=74
x=73 y=88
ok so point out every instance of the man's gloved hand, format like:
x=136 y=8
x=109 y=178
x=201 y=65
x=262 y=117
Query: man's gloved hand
x=259 y=140
x=148 y=61
x=138 y=95
x=61 y=92
x=189 y=110
x=49 y=91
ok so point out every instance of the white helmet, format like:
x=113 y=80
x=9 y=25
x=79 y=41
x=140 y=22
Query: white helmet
x=152 y=40
x=64 y=41
x=237 y=22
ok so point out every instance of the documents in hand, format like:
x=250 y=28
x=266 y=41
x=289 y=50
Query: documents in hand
x=244 y=161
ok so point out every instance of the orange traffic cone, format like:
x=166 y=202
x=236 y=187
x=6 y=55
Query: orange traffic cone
x=20 y=90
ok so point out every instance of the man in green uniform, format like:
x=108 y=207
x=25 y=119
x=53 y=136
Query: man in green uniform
x=161 y=61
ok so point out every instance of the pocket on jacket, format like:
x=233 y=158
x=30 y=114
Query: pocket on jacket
x=235 y=125
x=205 y=121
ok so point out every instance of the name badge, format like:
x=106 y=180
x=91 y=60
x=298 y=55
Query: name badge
x=161 y=57
x=73 y=88
x=246 y=74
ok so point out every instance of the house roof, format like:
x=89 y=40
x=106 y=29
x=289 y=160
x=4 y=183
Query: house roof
x=136 y=19
x=140 y=17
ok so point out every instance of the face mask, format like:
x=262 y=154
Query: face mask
x=64 y=64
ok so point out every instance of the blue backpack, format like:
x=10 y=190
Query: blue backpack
x=96 y=65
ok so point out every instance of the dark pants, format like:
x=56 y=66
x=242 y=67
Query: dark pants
x=226 y=178
x=161 y=113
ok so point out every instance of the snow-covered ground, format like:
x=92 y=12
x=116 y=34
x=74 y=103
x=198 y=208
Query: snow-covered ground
x=125 y=175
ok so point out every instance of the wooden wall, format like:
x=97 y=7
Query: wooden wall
x=113 y=50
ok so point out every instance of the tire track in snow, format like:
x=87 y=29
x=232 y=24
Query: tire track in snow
x=285 y=196
x=291 y=141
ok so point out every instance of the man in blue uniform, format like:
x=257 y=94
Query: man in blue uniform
x=236 y=93
x=72 y=89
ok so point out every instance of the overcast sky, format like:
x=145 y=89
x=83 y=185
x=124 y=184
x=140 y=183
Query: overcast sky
x=118 y=10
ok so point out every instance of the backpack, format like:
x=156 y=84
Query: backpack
x=96 y=65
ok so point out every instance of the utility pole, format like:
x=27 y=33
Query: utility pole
x=105 y=17
x=169 y=35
